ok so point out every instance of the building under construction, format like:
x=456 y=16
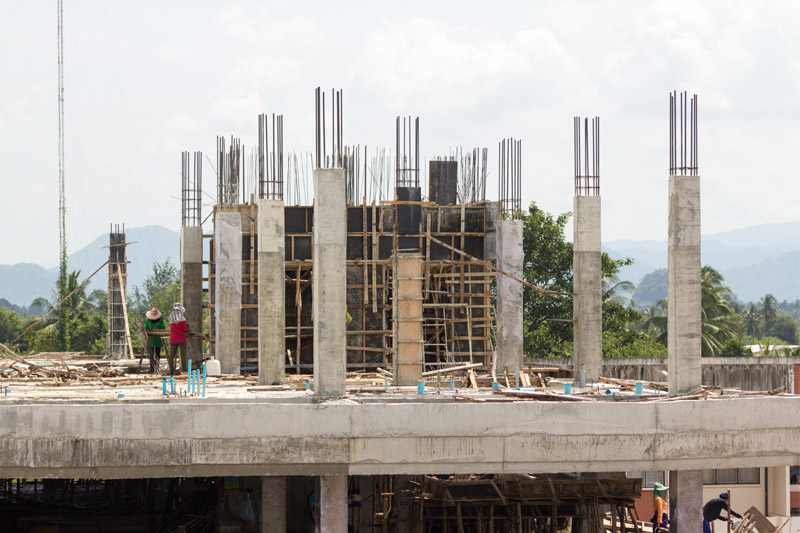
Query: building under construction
x=370 y=339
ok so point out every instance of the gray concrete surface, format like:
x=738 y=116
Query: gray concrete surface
x=329 y=282
x=332 y=504
x=228 y=291
x=192 y=283
x=271 y=293
x=683 y=285
x=509 y=297
x=588 y=288
x=273 y=504
x=201 y=438
x=686 y=501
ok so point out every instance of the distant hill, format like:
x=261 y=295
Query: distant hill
x=754 y=261
x=20 y=284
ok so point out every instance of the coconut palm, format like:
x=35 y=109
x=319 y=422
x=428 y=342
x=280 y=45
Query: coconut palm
x=720 y=322
x=616 y=291
x=751 y=317
x=769 y=310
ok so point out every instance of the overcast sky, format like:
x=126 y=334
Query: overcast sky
x=147 y=79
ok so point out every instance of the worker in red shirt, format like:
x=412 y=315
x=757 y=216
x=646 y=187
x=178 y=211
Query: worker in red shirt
x=178 y=331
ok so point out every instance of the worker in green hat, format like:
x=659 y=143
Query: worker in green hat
x=660 y=509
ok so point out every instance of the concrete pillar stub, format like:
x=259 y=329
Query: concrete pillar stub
x=684 y=311
x=685 y=500
x=271 y=293
x=588 y=288
x=273 y=504
x=228 y=291
x=332 y=502
x=329 y=297
x=192 y=283
x=509 y=297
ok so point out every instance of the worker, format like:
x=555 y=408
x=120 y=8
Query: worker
x=660 y=510
x=154 y=320
x=712 y=511
x=178 y=331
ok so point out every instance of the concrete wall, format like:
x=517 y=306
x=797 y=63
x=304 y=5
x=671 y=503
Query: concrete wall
x=588 y=288
x=271 y=293
x=203 y=438
x=509 y=297
x=683 y=291
x=745 y=373
x=228 y=297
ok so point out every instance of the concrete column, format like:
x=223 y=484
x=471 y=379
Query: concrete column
x=332 y=500
x=409 y=353
x=271 y=293
x=228 y=291
x=686 y=501
x=777 y=491
x=587 y=306
x=273 y=504
x=192 y=283
x=683 y=292
x=509 y=297
x=329 y=283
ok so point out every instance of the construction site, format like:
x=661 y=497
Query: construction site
x=360 y=320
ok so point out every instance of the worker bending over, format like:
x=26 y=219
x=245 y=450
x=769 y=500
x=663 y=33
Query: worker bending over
x=712 y=510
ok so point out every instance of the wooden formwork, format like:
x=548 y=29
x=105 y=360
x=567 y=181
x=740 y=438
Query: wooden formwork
x=457 y=301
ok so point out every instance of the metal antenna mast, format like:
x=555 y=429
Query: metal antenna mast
x=62 y=207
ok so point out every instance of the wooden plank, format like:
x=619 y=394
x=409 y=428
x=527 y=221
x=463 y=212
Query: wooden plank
x=125 y=311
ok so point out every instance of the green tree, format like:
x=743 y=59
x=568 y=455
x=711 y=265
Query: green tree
x=784 y=328
x=719 y=321
x=160 y=289
x=769 y=310
x=547 y=263
x=751 y=320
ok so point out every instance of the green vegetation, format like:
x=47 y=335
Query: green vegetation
x=727 y=326
x=85 y=314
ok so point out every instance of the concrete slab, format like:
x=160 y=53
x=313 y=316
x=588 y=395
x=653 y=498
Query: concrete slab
x=197 y=438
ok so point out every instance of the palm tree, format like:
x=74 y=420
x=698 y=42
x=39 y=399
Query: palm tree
x=751 y=317
x=615 y=291
x=769 y=310
x=720 y=322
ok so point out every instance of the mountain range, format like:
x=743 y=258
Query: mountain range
x=21 y=283
x=754 y=261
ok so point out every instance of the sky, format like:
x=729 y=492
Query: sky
x=146 y=80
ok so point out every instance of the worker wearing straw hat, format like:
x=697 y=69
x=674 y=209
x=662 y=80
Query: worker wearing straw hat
x=154 y=320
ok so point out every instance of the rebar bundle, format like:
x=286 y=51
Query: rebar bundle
x=587 y=176
x=270 y=162
x=683 y=134
x=191 y=188
x=510 y=178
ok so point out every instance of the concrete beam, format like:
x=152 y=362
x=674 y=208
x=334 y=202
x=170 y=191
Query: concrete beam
x=329 y=297
x=192 y=282
x=228 y=291
x=588 y=289
x=271 y=293
x=509 y=297
x=684 y=322
x=254 y=438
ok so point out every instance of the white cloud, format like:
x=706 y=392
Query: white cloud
x=173 y=53
x=435 y=65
